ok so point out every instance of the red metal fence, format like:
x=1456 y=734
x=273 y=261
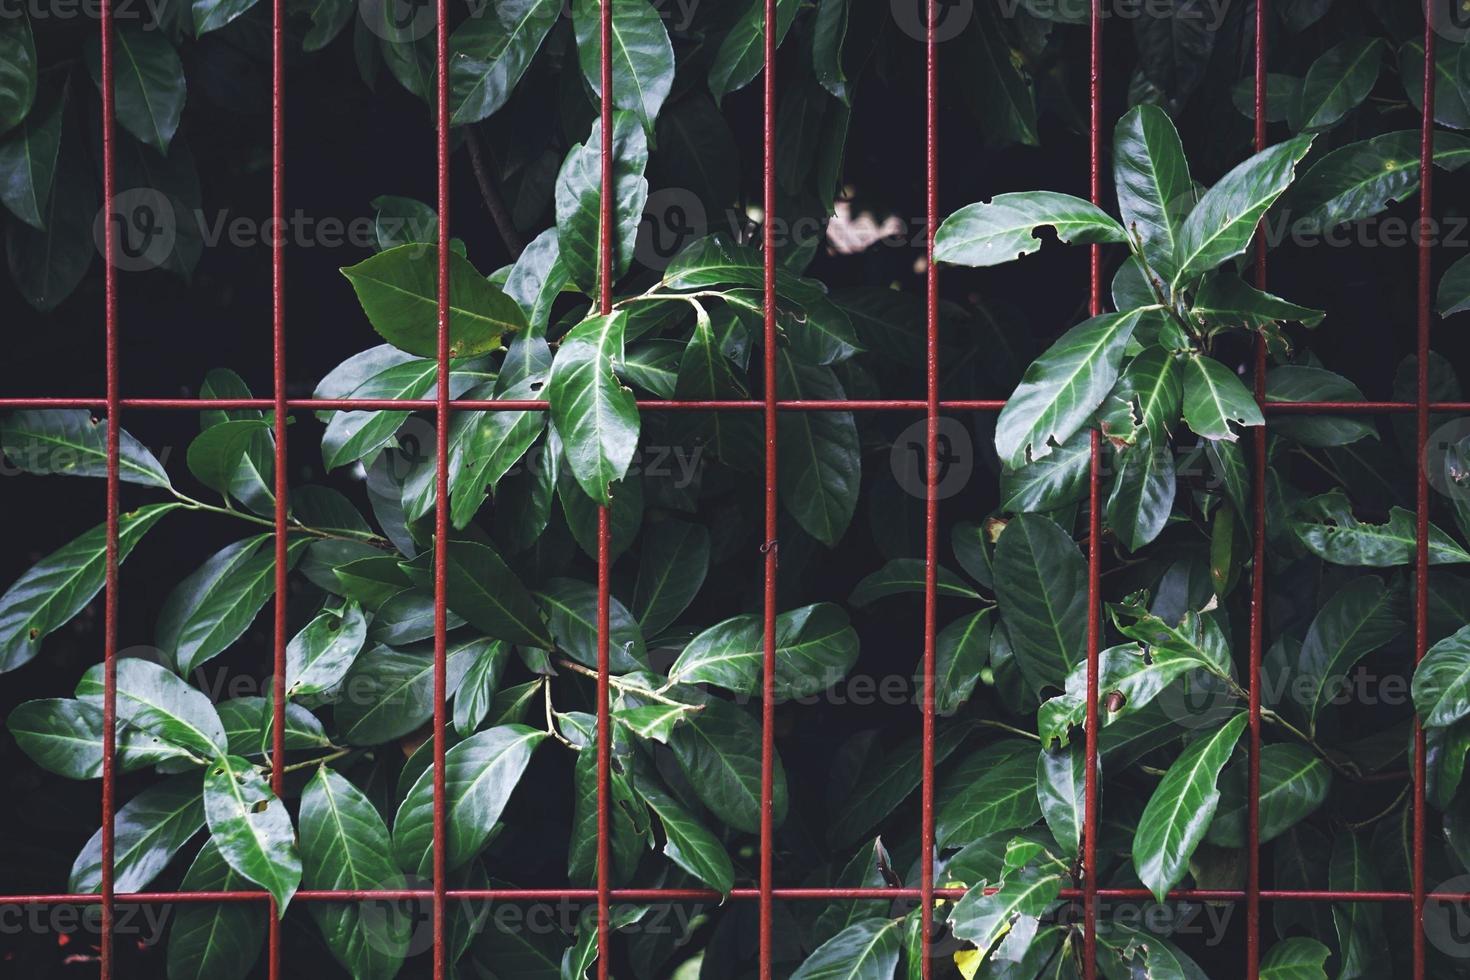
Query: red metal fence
x=766 y=894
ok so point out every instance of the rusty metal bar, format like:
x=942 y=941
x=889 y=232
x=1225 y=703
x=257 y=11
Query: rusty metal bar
x=441 y=493
x=931 y=486
x=769 y=545
x=605 y=245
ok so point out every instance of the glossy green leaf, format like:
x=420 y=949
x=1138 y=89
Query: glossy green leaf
x=904 y=575
x=983 y=919
x=148 y=831
x=1451 y=107
x=252 y=483
x=247 y=722
x=1062 y=388
x=705 y=373
x=819 y=464
x=815 y=648
x=1304 y=383
x=1361 y=179
x=1360 y=617
x=61 y=735
x=866 y=950
x=211 y=15
x=1040 y=583
x=1214 y=398
x=885 y=780
x=1336 y=84
x=1343 y=540
x=719 y=753
x=154 y=706
x=480 y=774
x=571 y=613
x=489 y=53
x=1151 y=383
x=579 y=195
x=319 y=655
x=1294 y=784
x=672 y=566
x=652 y=721
x=251 y=827
x=1362 y=948
x=596 y=417
x=18 y=75
x=642 y=57
x=1055 y=480
x=741 y=53
x=477 y=691
x=59 y=586
x=69 y=442
x=1222 y=224
x=346 y=846
x=1441 y=685
x=481 y=588
x=1297 y=958
x=388 y=693
x=1005 y=227
x=1142 y=495
x=1003 y=797
x=1225 y=300
x=1060 y=778
x=961 y=650
x=1181 y=808
x=216 y=454
x=28 y=162
x=1155 y=192
x=687 y=842
x=148 y=83
x=399 y=292
x=1454 y=289
x=214 y=940
x=47 y=265
x=213 y=606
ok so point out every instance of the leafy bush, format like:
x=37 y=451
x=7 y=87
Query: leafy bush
x=1164 y=378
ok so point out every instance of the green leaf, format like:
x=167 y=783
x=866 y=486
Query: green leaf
x=1342 y=540
x=1151 y=383
x=687 y=842
x=672 y=565
x=1442 y=681
x=629 y=821
x=479 y=776
x=154 y=706
x=321 y=654
x=1362 y=949
x=247 y=722
x=1294 y=785
x=1040 y=584
x=59 y=586
x=1450 y=103
x=819 y=463
x=69 y=442
x=1055 y=480
x=998 y=92
x=214 y=940
x=148 y=831
x=961 y=650
x=579 y=201
x=571 y=609
x=983 y=919
x=535 y=281
x=829 y=31
x=211 y=15
x=1181 y=808
x=148 y=83
x=1062 y=388
x=388 y=693
x=1214 y=397
x=719 y=753
x=1360 y=617
x=28 y=159
x=60 y=735
x=596 y=417
x=402 y=221
x=866 y=950
x=1221 y=225
x=216 y=454
x=1224 y=300
x=346 y=846
x=1155 y=192
x=1060 y=777
x=399 y=292
x=1282 y=94
x=251 y=827
x=1142 y=495
x=252 y=483
x=815 y=648
x=488 y=55
x=483 y=446
x=1336 y=84
x=480 y=587
x=1454 y=289
x=1003 y=797
x=741 y=54
x=907 y=575
x=885 y=780
x=652 y=721
x=47 y=265
x=17 y=69
x=642 y=57
x=1005 y=227
x=476 y=693
x=214 y=606
x=1125 y=670
x=1360 y=179
x=1297 y=958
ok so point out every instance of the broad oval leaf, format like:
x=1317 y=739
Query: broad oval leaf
x=388 y=693
x=642 y=57
x=866 y=950
x=687 y=842
x=1040 y=583
x=148 y=831
x=251 y=827
x=1359 y=618
x=489 y=53
x=596 y=417
x=148 y=83
x=671 y=568
x=1360 y=179
x=1214 y=398
x=61 y=735
x=1002 y=797
x=815 y=648
x=1155 y=192
x=1004 y=228
x=156 y=709
x=1336 y=84
x=1294 y=784
x=1181 y=808
x=819 y=462
x=1296 y=958
x=579 y=196
x=719 y=752
x=214 y=940
x=571 y=608
x=479 y=776
x=69 y=442
x=321 y=654
x=1441 y=685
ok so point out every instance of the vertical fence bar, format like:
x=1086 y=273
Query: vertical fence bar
x=1094 y=524
x=1258 y=560
x=114 y=430
x=605 y=247
x=931 y=479
x=1421 y=477
x=769 y=546
x=441 y=491
x=278 y=383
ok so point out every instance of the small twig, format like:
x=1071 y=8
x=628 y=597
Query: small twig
x=1382 y=813
x=551 y=728
x=493 y=202
x=628 y=686
x=319 y=761
x=988 y=723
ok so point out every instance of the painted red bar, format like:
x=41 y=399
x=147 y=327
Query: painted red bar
x=769 y=546
x=931 y=487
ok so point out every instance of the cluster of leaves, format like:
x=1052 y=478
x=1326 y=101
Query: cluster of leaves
x=1154 y=377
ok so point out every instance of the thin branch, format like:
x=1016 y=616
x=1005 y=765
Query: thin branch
x=493 y=201
x=628 y=686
